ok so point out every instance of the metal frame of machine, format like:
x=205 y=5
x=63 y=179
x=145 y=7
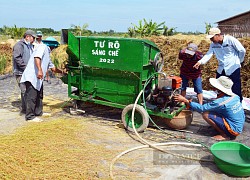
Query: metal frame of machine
x=112 y=71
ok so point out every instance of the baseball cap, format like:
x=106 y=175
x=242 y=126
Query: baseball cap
x=39 y=33
x=223 y=83
x=212 y=32
x=191 y=49
x=30 y=32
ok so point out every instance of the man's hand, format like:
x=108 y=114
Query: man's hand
x=40 y=74
x=197 y=65
x=39 y=67
x=57 y=70
x=180 y=98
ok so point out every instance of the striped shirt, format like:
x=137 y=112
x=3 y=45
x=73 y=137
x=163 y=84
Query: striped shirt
x=187 y=68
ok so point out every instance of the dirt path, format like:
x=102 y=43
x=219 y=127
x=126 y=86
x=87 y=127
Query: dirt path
x=102 y=129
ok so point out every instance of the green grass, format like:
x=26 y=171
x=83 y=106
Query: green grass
x=3 y=63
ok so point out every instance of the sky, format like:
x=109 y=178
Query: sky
x=118 y=15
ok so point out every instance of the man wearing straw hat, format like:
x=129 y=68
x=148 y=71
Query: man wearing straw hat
x=225 y=114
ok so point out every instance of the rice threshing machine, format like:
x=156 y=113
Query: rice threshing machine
x=113 y=71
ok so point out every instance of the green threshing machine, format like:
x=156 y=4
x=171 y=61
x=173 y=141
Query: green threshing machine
x=113 y=71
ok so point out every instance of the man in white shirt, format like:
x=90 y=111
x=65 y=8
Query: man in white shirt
x=230 y=54
x=21 y=55
x=33 y=77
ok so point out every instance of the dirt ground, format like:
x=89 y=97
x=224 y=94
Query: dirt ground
x=101 y=130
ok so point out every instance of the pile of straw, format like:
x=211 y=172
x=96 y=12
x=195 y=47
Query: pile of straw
x=170 y=47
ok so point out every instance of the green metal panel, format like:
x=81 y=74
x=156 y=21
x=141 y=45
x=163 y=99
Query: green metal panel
x=114 y=53
x=73 y=47
x=115 y=86
x=111 y=70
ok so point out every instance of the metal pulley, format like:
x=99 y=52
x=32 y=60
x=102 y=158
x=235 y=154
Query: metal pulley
x=158 y=62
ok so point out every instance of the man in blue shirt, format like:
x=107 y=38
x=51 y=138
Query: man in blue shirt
x=225 y=114
x=33 y=77
x=230 y=54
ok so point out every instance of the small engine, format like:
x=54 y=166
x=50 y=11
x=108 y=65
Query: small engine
x=162 y=94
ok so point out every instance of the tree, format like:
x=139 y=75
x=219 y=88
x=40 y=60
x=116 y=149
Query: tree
x=14 y=32
x=80 y=30
x=208 y=26
x=168 y=31
x=17 y=32
x=152 y=28
x=140 y=29
x=131 y=31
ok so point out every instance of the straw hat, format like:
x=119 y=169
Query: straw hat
x=223 y=83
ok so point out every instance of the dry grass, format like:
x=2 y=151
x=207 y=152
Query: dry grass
x=69 y=147
x=170 y=47
x=5 y=58
x=59 y=56
x=51 y=150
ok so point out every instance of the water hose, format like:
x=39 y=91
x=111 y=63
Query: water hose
x=150 y=145
x=144 y=105
x=146 y=146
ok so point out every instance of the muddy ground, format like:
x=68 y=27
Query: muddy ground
x=104 y=129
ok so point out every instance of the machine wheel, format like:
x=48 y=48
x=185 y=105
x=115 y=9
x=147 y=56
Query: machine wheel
x=141 y=119
x=158 y=62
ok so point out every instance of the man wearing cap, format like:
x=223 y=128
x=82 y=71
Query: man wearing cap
x=230 y=54
x=225 y=114
x=33 y=77
x=21 y=54
x=37 y=43
x=39 y=37
x=190 y=57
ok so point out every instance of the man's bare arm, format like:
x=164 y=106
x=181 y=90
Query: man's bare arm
x=39 y=67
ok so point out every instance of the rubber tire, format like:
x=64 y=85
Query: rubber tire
x=140 y=115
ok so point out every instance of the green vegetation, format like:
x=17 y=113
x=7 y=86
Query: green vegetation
x=3 y=63
x=208 y=26
x=145 y=29
x=80 y=31
x=17 y=33
x=14 y=32
x=5 y=58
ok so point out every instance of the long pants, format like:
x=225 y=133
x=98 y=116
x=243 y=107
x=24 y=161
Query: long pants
x=235 y=77
x=34 y=101
x=22 y=87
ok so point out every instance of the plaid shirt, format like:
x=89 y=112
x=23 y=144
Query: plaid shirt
x=187 y=68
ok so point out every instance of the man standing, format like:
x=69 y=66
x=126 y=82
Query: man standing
x=39 y=35
x=21 y=54
x=225 y=114
x=190 y=56
x=33 y=77
x=230 y=54
x=38 y=42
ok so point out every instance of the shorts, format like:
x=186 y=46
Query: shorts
x=220 y=123
x=197 y=84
